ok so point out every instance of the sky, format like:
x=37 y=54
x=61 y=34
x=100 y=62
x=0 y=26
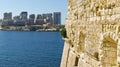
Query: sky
x=34 y=7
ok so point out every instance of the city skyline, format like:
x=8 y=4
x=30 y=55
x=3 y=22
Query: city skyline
x=24 y=19
x=34 y=7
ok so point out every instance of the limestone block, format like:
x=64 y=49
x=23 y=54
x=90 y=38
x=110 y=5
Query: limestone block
x=107 y=65
x=111 y=61
x=106 y=48
x=71 y=59
x=87 y=65
x=114 y=61
x=83 y=64
x=65 y=55
x=108 y=53
x=112 y=54
x=106 y=60
x=117 y=10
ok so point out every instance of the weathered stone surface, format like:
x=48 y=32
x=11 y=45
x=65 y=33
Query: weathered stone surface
x=93 y=26
x=71 y=59
x=65 y=55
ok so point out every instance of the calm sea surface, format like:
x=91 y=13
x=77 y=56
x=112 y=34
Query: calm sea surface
x=30 y=49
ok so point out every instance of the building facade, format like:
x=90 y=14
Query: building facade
x=57 y=18
x=23 y=15
x=7 y=16
x=93 y=34
x=7 y=19
x=31 y=19
x=48 y=18
x=17 y=21
x=39 y=20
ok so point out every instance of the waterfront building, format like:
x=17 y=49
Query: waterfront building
x=31 y=19
x=7 y=23
x=57 y=18
x=16 y=18
x=7 y=19
x=23 y=17
x=39 y=20
x=48 y=18
x=7 y=16
x=32 y=16
x=39 y=16
x=18 y=21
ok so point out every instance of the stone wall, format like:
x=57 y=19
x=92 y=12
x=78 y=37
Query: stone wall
x=93 y=34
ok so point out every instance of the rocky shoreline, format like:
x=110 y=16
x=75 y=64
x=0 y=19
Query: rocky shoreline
x=30 y=28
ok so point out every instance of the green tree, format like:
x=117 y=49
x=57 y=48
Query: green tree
x=63 y=32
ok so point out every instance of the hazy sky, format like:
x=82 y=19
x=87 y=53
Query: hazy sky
x=34 y=7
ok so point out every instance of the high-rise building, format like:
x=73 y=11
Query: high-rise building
x=7 y=16
x=23 y=17
x=31 y=19
x=48 y=18
x=57 y=18
x=32 y=16
x=39 y=16
x=18 y=21
x=16 y=18
x=39 y=20
x=7 y=19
